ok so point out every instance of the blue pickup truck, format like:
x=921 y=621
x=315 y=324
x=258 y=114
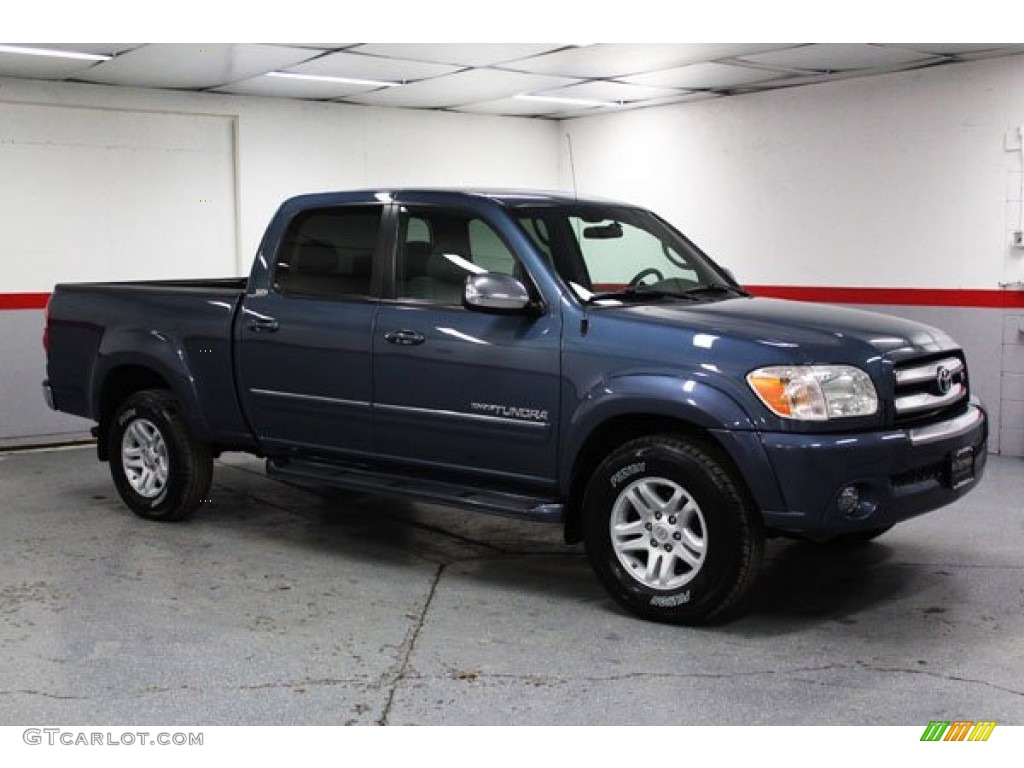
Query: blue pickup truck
x=530 y=354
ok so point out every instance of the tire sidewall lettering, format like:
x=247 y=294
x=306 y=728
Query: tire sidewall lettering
x=721 y=530
x=158 y=418
x=126 y=416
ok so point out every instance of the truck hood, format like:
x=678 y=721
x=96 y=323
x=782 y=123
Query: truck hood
x=804 y=332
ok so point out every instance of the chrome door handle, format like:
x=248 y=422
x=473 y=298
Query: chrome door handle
x=404 y=337
x=264 y=325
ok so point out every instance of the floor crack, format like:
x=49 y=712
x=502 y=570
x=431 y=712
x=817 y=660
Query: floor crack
x=950 y=678
x=398 y=673
x=27 y=692
x=538 y=679
x=307 y=683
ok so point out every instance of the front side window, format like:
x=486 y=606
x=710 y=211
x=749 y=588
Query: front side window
x=329 y=252
x=614 y=253
x=439 y=248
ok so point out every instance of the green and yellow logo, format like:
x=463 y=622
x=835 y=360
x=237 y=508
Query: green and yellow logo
x=958 y=730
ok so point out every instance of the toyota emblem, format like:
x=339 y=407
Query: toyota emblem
x=943 y=380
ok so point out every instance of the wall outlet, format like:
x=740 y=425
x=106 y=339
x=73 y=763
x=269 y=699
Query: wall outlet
x=1018 y=239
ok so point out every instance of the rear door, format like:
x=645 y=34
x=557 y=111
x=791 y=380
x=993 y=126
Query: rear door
x=306 y=342
x=457 y=388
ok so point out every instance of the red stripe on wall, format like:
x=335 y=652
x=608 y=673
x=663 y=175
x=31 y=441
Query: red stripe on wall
x=24 y=300
x=914 y=297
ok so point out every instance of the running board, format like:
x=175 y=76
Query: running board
x=538 y=508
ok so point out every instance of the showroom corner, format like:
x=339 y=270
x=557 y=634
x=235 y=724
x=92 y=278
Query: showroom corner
x=898 y=192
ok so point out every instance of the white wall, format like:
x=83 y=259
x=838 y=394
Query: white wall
x=109 y=183
x=286 y=147
x=893 y=181
x=100 y=194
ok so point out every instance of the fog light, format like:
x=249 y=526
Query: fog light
x=848 y=500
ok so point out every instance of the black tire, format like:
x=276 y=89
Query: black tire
x=147 y=431
x=721 y=516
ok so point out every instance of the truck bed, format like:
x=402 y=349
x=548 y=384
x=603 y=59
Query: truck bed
x=96 y=328
x=214 y=283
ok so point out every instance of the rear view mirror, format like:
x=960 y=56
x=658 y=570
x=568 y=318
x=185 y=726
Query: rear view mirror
x=608 y=231
x=495 y=292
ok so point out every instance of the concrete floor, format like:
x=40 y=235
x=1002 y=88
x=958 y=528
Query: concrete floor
x=276 y=605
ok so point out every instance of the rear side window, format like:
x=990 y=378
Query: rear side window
x=329 y=252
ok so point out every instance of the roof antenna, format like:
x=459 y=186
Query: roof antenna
x=572 y=168
x=584 y=319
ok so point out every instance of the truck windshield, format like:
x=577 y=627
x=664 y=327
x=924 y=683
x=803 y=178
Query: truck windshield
x=615 y=254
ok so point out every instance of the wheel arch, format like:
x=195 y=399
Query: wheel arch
x=125 y=377
x=618 y=409
x=619 y=430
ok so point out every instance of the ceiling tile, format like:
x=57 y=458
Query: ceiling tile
x=467 y=87
x=1006 y=50
x=952 y=49
x=320 y=46
x=437 y=77
x=679 y=98
x=837 y=57
x=706 y=75
x=513 y=106
x=263 y=85
x=620 y=59
x=605 y=90
x=556 y=110
x=566 y=113
x=791 y=80
x=460 y=54
x=41 y=67
x=103 y=49
x=181 y=65
x=634 y=105
x=372 y=68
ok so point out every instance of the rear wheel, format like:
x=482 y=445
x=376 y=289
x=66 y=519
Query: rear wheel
x=160 y=470
x=670 y=532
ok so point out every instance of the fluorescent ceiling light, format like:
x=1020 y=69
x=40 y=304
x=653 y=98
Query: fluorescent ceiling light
x=330 y=79
x=54 y=53
x=567 y=100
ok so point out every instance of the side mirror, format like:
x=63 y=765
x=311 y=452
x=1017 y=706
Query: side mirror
x=495 y=292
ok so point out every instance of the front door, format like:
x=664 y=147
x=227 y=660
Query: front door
x=458 y=388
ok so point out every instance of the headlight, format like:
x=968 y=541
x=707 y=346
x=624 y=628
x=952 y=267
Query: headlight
x=815 y=392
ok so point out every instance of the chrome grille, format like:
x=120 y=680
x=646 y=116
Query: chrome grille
x=927 y=389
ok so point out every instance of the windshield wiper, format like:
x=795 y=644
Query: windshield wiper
x=704 y=290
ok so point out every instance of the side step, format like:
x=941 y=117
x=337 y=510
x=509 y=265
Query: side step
x=474 y=498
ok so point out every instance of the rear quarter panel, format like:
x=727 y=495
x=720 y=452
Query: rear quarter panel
x=181 y=333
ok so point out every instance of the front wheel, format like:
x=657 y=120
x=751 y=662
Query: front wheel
x=160 y=470
x=670 y=531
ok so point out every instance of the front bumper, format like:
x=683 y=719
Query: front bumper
x=898 y=473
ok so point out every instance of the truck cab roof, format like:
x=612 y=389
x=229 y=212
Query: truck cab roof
x=507 y=197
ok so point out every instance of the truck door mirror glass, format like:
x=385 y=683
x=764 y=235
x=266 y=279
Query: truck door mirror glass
x=495 y=292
